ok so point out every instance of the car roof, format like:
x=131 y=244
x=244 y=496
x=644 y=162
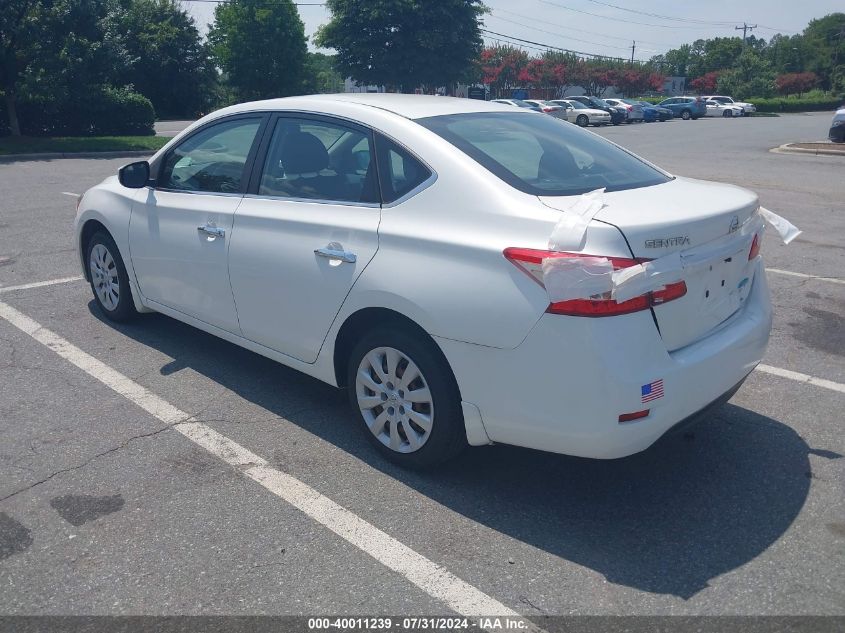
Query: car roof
x=406 y=105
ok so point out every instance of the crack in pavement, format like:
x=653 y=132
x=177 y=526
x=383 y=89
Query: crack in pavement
x=93 y=458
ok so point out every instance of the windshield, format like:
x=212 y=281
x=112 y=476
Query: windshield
x=578 y=105
x=543 y=156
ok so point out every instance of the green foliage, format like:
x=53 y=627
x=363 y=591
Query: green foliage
x=404 y=44
x=161 y=54
x=93 y=111
x=813 y=101
x=751 y=75
x=70 y=144
x=320 y=74
x=260 y=46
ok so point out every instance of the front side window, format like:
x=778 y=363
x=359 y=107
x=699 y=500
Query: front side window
x=212 y=160
x=543 y=156
x=319 y=160
x=399 y=171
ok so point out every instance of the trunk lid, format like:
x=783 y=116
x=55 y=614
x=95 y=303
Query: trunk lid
x=711 y=226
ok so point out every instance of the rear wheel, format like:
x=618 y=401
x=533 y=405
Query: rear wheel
x=582 y=120
x=403 y=390
x=686 y=115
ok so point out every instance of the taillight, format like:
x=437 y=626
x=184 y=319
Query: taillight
x=530 y=261
x=755 y=247
x=548 y=109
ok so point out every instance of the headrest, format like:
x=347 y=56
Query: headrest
x=303 y=153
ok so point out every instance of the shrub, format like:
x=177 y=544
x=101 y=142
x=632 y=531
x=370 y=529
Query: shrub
x=96 y=111
x=793 y=104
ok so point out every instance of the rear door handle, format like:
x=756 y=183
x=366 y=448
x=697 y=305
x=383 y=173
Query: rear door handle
x=212 y=231
x=335 y=251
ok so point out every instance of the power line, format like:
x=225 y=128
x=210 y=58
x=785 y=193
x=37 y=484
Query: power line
x=534 y=28
x=664 y=17
x=569 y=28
x=557 y=48
x=607 y=17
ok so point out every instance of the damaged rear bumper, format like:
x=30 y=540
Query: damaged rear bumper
x=565 y=386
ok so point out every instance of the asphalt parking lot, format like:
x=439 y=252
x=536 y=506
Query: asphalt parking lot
x=106 y=508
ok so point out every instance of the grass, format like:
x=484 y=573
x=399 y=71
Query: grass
x=68 y=144
x=762 y=114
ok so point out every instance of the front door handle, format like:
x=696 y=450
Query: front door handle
x=211 y=231
x=335 y=251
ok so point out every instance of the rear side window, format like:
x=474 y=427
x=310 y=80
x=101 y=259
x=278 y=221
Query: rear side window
x=211 y=160
x=319 y=160
x=399 y=171
x=542 y=155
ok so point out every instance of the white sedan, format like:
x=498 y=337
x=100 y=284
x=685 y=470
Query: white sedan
x=469 y=272
x=578 y=113
x=747 y=108
x=716 y=108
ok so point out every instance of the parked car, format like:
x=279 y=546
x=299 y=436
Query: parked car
x=747 y=108
x=635 y=110
x=658 y=113
x=581 y=115
x=837 y=126
x=548 y=107
x=518 y=103
x=716 y=108
x=422 y=291
x=618 y=114
x=685 y=107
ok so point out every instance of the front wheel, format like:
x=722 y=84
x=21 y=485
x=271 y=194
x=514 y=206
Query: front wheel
x=727 y=114
x=109 y=280
x=582 y=120
x=403 y=390
x=686 y=115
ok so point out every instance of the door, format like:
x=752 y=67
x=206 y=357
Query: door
x=180 y=229
x=304 y=233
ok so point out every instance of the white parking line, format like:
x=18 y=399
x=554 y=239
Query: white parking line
x=40 y=284
x=833 y=280
x=70 y=193
x=799 y=377
x=432 y=578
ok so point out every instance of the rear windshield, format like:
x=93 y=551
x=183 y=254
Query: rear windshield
x=543 y=155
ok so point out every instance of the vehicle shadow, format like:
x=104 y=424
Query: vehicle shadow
x=668 y=520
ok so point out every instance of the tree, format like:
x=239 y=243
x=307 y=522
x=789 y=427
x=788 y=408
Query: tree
x=321 y=77
x=796 y=83
x=501 y=67
x=166 y=60
x=824 y=41
x=595 y=77
x=635 y=81
x=50 y=50
x=404 y=44
x=706 y=83
x=260 y=46
x=751 y=76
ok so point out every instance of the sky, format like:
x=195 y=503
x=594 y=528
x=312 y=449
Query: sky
x=609 y=27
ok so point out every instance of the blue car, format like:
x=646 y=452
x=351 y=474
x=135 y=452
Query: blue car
x=653 y=112
x=685 y=107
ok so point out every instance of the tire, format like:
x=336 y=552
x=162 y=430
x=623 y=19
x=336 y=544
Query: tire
x=583 y=120
x=109 y=281
x=686 y=115
x=371 y=381
x=727 y=114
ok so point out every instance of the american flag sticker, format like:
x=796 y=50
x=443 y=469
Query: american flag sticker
x=652 y=391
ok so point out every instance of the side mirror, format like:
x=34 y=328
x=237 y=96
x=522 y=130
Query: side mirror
x=134 y=175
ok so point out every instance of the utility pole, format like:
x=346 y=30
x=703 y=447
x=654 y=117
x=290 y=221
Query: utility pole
x=745 y=28
x=633 y=48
